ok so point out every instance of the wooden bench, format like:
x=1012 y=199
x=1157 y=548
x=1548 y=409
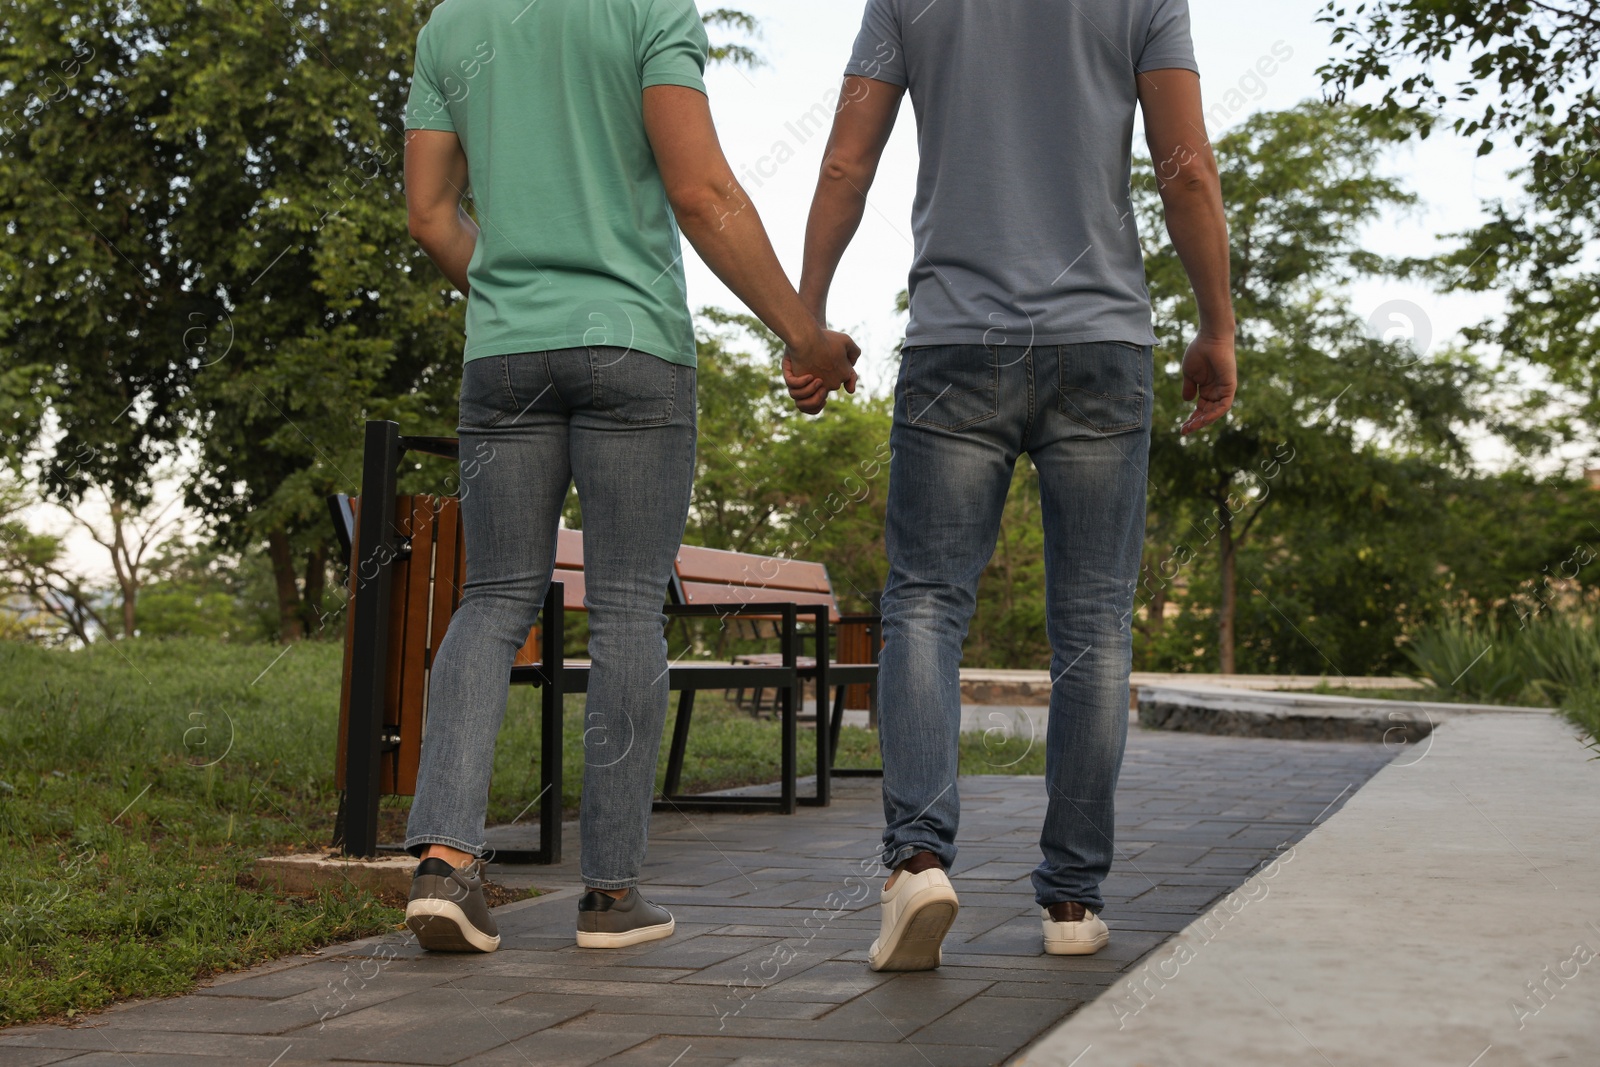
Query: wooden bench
x=405 y=584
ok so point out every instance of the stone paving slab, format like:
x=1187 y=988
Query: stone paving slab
x=1447 y=915
x=775 y=915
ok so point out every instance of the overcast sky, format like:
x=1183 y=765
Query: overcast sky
x=760 y=112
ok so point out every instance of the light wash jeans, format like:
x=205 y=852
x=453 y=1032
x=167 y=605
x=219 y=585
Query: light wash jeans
x=963 y=414
x=621 y=425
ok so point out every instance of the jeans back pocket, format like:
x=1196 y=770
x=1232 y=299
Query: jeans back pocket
x=633 y=387
x=1105 y=385
x=949 y=386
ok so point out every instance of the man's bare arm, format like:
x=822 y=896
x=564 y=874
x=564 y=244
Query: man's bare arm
x=1191 y=193
x=436 y=180
x=861 y=127
x=724 y=227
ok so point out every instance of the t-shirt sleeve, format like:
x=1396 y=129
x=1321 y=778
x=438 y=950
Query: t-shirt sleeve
x=878 y=53
x=673 y=47
x=1169 y=43
x=426 y=108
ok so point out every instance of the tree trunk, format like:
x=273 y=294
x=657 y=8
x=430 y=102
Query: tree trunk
x=1225 y=613
x=290 y=625
x=127 y=575
x=315 y=582
x=1156 y=610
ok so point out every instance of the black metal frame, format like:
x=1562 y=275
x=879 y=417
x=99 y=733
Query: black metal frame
x=840 y=675
x=381 y=546
x=369 y=654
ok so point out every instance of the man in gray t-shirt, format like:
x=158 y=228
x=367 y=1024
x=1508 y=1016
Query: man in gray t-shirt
x=1030 y=333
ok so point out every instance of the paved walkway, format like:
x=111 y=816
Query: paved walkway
x=774 y=920
x=1448 y=915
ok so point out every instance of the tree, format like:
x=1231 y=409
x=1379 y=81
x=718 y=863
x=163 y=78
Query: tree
x=131 y=536
x=1325 y=411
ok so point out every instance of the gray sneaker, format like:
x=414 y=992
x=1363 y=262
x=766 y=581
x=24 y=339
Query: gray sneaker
x=604 y=922
x=447 y=911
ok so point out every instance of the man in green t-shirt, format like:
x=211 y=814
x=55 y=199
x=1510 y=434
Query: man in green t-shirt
x=583 y=131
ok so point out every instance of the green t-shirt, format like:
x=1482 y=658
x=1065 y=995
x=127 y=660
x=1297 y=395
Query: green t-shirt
x=577 y=245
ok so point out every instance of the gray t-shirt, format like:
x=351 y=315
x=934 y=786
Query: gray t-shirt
x=1024 y=229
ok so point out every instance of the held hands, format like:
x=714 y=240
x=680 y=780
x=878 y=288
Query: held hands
x=815 y=369
x=1210 y=379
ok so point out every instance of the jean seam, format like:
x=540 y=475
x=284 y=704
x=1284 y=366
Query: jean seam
x=550 y=375
x=1027 y=422
x=610 y=883
x=422 y=841
x=505 y=376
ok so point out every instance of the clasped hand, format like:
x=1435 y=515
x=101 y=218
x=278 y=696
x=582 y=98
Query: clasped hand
x=812 y=371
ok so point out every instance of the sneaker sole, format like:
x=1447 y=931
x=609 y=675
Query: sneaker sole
x=441 y=926
x=918 y=946
x=598 y=939
x=1077 y=948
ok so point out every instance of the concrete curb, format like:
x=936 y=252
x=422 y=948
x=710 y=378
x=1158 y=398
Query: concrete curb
x=1301 y=716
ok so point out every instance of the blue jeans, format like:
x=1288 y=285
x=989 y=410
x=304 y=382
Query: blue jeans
x=963 y=414
x=621 y=425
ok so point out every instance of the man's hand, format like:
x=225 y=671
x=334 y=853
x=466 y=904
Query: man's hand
x=808 y=383
x=1210 y=379
x=808 y=393
x=829 y=356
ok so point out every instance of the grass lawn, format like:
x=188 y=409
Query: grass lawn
x=140 y=780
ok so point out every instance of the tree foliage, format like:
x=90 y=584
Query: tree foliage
x=206 y=251
x=1517 y=71
x=1329 y=419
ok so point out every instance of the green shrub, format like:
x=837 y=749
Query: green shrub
x=1477 y=661
x=1551 y=660
x=1560 y=657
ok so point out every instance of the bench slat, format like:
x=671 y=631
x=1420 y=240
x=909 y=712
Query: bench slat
x=447 y=556
x=413 y=684
x=701 y=594
x=575 y=588
x=717 y=567
x=569 y=549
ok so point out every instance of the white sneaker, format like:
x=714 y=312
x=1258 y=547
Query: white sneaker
x=917 y=913
x=1083 y=937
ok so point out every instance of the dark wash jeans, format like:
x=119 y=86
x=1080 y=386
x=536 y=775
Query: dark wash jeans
x=963 y=414
x=621 y=425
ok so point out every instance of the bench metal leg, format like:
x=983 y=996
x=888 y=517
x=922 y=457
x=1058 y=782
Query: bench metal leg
x=552 y=711
x=825 y=743
x=790 y=699
x=680 y=743
x=369 y=658
x=838 y=723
